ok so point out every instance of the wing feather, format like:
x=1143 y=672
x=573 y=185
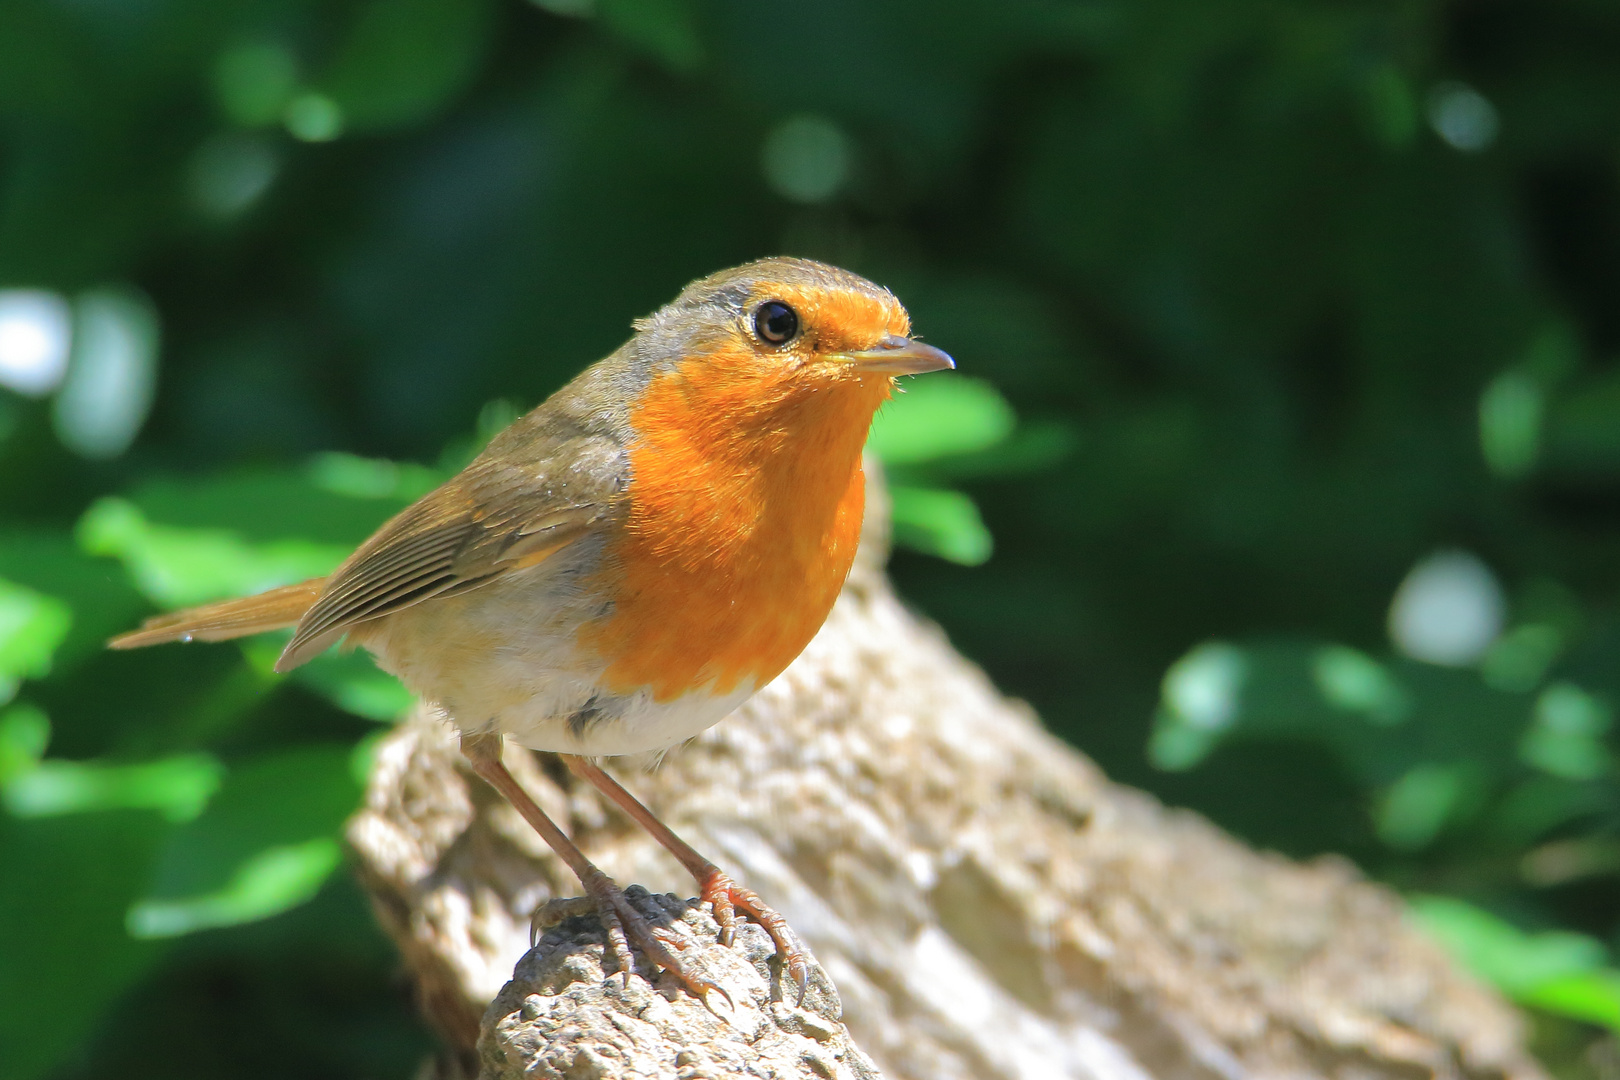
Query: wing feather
x=496 y=516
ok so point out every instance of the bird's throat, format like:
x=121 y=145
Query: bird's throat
x=745 y=506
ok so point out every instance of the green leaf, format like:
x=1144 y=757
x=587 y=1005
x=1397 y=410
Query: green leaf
x=663 y=29
x=31 y=627
x=177 y=787
x=254 y=80
x=943 y=523
x=177 y=567
x=1510 y=419
x=269 y=882
x=1175 y=746
x=1414 y=810
x=66 y=885
x=1031 y=447
x=405 y=60
x=1592 y=996
x=1353 y=681
x=265 y=844
x=371 y=478
x=1583 y=427
x=1517 y=661
x=1565 y=738
x=297 y=502
x=1555 y=970
x=24 y=734
x=940 y=417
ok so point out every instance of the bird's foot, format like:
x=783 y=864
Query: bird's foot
x=725 y=898
x=625 y=925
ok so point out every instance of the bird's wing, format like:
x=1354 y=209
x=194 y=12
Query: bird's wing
x=502 y=513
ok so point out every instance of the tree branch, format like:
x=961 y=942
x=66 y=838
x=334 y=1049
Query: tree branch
x=988 y=904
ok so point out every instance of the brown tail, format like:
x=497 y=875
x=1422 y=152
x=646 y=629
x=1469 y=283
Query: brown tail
x=226 y=619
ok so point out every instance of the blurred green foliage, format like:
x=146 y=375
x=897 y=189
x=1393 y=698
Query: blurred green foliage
x=1282 y=473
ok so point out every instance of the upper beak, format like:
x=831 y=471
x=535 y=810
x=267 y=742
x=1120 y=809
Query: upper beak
x=896 y=355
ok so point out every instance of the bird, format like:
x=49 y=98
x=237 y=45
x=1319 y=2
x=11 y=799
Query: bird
x=626 y=564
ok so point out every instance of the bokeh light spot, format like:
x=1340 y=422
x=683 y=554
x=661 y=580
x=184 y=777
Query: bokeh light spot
x=36 y=329
x=807 y=159
x=313 y=118
x=1448 y=610
x=231 y=172
x=1463 y=117
x=1510 y=414
x=1202 y=688
x=112 y=376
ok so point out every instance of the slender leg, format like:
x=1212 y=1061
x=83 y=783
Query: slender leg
x=717 y=887
x=623 y=922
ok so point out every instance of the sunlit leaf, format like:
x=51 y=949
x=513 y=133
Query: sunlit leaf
x=297 y=502
x=371 y=478
x=31 y=627
x=940 y=416
x=1592 y=996
x=25 y=731
x=1355 y=682
x=1555 y=970
x=176 y=567
x=943 y=523
x=1032 y=447
x=1565 y=737
x=265 y=844
x=178 y=787
x=268 y=883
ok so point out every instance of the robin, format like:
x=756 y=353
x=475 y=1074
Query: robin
x=626 y=564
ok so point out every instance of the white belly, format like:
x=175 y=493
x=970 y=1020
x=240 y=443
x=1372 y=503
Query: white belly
x=507 y=659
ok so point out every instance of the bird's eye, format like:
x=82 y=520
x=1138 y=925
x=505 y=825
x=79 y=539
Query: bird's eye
x=775 y=322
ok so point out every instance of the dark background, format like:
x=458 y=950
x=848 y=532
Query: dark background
x=1293 y=303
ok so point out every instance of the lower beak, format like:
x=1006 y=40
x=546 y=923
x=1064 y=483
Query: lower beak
x=896 y=355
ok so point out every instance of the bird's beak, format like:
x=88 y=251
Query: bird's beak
x=896 y=355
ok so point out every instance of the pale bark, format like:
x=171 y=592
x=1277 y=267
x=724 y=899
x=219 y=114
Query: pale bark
x=986 y=902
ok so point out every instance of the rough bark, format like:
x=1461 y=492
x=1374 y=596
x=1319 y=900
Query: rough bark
x=986 y=902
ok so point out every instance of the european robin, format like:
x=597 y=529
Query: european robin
x=626 y=564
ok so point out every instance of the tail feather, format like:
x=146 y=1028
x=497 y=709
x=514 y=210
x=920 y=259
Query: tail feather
x=226 y=619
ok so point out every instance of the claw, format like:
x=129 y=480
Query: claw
x=625 y=924
x=725 y=898
x=555 y=911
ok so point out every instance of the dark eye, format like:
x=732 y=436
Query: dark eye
x=775 y=322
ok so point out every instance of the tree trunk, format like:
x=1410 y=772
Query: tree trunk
x=986 y=902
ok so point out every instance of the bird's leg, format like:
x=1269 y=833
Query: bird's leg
x=622 y=921
x=716 y=887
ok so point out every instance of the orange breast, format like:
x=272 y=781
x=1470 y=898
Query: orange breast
x=745 y=509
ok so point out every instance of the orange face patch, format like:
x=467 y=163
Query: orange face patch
x=745 y=505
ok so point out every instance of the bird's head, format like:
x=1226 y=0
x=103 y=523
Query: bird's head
x=777 y=330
